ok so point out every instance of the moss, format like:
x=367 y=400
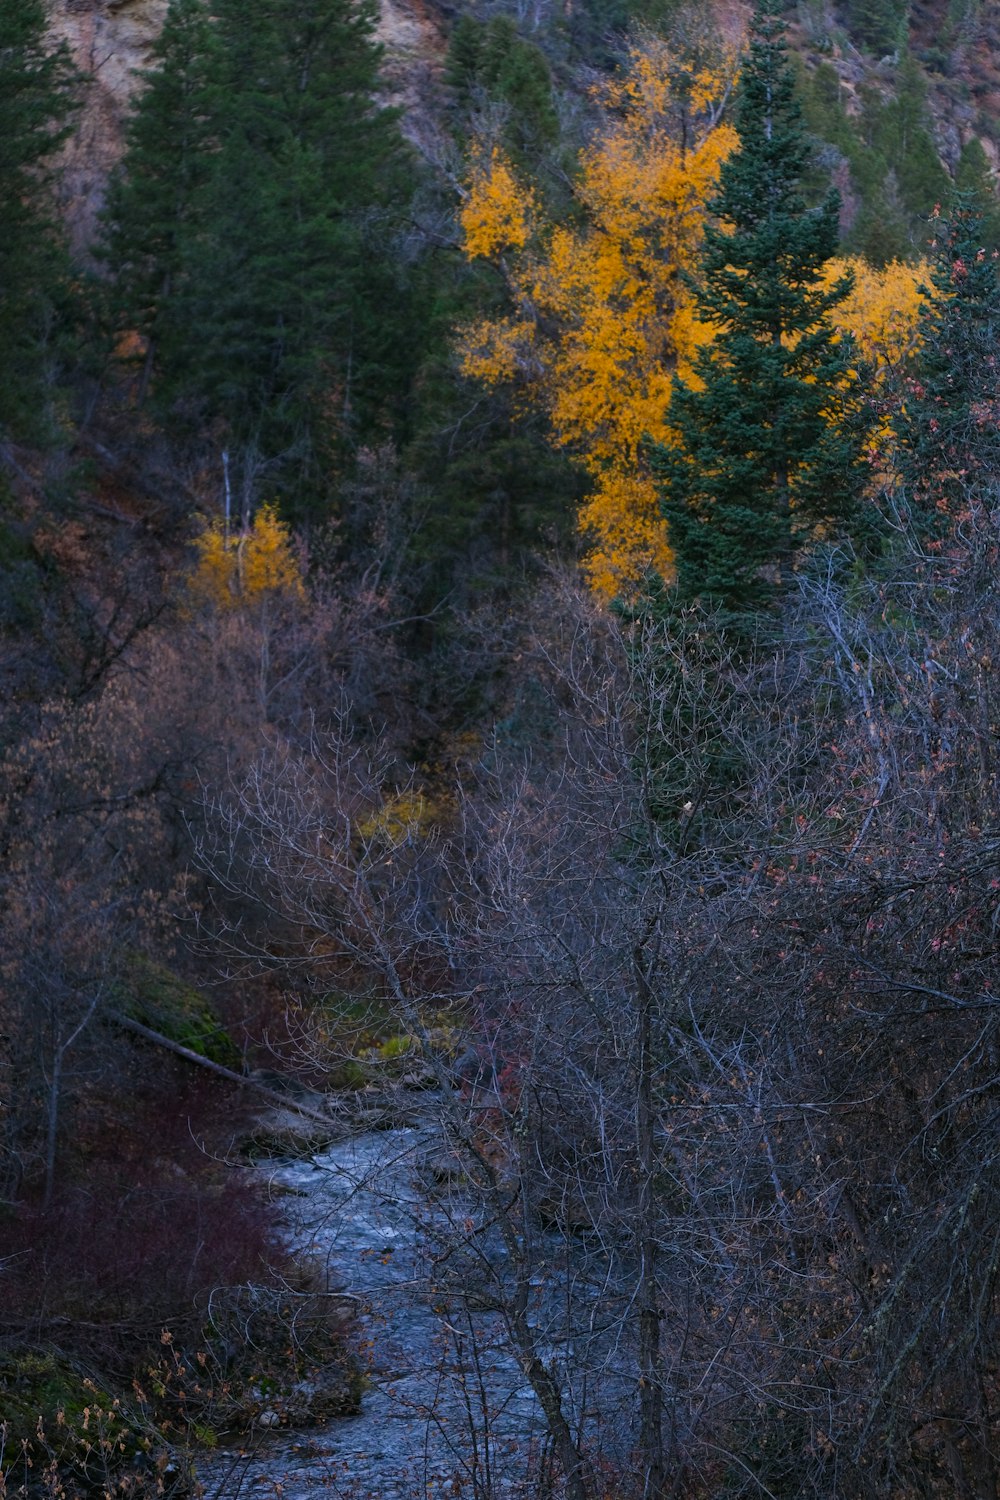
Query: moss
x=363 y=1039
x=359 y=1023
x=65 y=1431
x=158 y=998
x=349 y=1074
x=396 y=1047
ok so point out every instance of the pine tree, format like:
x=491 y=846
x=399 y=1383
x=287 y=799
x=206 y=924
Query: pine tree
x=948 y=430
x=36 y=99
x=293 y=311
x=157 y=205
x=490 y=61
x=252 y=260
x=879 y=24
x=976 y=187
x=766 y=443
x=464 y=59
x=909 y=145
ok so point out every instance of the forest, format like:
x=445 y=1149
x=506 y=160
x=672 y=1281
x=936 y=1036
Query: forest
x=499 y=595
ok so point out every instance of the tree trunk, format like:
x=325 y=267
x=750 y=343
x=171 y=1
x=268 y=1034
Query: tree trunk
x=650 y=1362
x=287 y=1101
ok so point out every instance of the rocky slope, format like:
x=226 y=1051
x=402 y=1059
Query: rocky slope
x=959 y=56
x=111 y=41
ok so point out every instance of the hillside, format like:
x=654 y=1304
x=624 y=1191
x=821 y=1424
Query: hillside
x=956 y=47
x=499 y=749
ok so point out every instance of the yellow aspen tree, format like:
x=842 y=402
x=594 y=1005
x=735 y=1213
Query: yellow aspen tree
x=258 y=561
x=603 y=314
x=882 y=309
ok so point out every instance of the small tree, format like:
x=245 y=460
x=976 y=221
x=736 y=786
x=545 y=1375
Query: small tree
x=766 y=440
x=949 y=441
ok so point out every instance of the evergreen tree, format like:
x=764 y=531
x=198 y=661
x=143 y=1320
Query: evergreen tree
x=36 y=99
x=156 y=207
x=948 y=429
x=464 y=59
x=923 y=181
x=767 y=438
x=489 y=61
x=976 y=187
x=896 y=170
x=291 y=300
x=879 y=24
x=880 y=230
x=276 y=310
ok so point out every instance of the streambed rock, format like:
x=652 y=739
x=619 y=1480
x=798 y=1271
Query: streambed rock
x=361 y=1208
x=281 y=1133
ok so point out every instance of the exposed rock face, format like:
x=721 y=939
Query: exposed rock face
x=109 y=41
x=414 y=41
x=112 y=40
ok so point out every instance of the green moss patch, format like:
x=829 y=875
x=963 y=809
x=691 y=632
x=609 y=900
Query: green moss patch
x=158 y=998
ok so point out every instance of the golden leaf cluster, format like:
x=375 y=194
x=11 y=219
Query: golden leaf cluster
x=256 y=562
x=604 y=315
x=497 y=214
x=882 y=310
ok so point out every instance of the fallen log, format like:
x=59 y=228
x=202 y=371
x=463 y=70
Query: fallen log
x=286 y=1101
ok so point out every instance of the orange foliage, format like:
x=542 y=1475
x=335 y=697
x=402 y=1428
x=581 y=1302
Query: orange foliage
x=604 y=315
x=251 y=564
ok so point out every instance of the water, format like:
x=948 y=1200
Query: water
x=447 y=1411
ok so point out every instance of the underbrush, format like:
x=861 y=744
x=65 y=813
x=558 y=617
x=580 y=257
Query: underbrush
x=150 y=1307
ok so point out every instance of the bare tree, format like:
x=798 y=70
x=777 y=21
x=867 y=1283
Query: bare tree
x=717 y=925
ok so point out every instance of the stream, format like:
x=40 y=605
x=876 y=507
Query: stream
x=447 y=1410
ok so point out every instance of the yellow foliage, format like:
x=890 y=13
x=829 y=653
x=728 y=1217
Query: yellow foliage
x=404 y=816
x=605 y=315
x=496 y=216
x=499 y=351
x=883 y=309
x=622 y=515
x=248 y=565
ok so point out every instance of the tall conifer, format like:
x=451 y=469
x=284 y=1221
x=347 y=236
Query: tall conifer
x=976 y=188
x=36 y=98
x=274 y=312
x=766 y=439
x=291 y=306
x=157 y=205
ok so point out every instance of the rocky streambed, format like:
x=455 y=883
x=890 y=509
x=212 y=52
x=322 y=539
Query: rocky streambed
x=446 y=1409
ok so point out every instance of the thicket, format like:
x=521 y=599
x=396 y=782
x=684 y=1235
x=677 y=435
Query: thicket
x=705 y=881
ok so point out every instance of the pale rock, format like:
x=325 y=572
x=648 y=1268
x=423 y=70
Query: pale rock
x=109 y=41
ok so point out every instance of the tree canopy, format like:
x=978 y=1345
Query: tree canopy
x=765 y=441
x=36 y=101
